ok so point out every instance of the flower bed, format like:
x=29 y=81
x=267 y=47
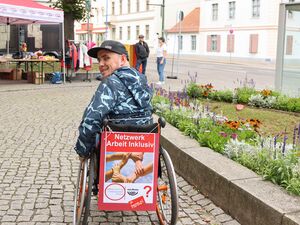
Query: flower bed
x=246 y=95
x=272 y=158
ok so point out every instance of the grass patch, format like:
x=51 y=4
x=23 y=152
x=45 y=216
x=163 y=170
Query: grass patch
x=273 y=122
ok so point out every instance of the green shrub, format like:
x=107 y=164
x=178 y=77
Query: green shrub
x=225 y=95
x=194 y=91
x=243 y=94
x=286 y=103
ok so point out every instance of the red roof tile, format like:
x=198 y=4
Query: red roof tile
x=189 y=24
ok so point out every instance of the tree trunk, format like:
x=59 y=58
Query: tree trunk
x=69 y=26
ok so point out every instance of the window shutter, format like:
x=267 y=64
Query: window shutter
x=289 y=45
x=253 y=43
x=208 y=44
x=218 y=43
x=230 y=43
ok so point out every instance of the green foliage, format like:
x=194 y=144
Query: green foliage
x=194 y=91
x=212 y=139
x=160 y=100
x=77 y=8
x=288 y=104
x=225 y=96
x=243 y=94
x=278 y=170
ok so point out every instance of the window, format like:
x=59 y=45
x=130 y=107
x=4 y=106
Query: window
x=147 y=5
x=113 y=8
x=213 y=43
x=231 y=10
x=137 y=5
x=180 y=38
x=147 y=32
x=120 y=33
x=82 y=37
x=255 y=8
x=230 y=43
x=214 y=11
x=137 y=28
x=253 y=43
x=128 y=5
x=113 y=33
x=128 y=33
x=99 y=39
x=193 y=42
x=120 y=12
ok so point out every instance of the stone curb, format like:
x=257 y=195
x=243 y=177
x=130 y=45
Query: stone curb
x=237 y=190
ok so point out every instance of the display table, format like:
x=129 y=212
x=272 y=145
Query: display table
x=33 y=76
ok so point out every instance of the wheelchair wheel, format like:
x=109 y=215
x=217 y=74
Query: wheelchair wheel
x=167 y=201
x=83 y=191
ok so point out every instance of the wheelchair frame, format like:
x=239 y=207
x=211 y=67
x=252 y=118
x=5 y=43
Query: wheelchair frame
x=167 y=195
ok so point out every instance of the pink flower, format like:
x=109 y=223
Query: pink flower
x=234 y=136
x=223 y=134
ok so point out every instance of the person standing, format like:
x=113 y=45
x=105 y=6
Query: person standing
x=142 y=53
x=161 y=54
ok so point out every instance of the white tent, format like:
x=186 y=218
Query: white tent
x=31 y=12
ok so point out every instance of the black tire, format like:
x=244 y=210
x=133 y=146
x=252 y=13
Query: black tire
x=83 y=190
x=90 y=178
x=79 y=195
x=167 y=209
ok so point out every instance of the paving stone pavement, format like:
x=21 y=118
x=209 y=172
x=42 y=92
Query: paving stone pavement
x=38 y=166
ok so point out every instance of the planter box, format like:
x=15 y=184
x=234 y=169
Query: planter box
x=237 y=190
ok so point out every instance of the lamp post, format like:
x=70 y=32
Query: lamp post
x=162 y=16
x=88 y=8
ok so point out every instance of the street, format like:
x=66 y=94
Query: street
x=38 y=166
x=221 y=73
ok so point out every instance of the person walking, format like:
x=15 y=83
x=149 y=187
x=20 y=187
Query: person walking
x=161 y=54
x=142 y=53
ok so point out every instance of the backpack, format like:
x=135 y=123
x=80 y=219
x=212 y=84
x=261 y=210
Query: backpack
x=56 y=78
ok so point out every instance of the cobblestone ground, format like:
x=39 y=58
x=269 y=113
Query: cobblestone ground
x=38 y=167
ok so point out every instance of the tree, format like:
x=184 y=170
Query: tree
x=73 y=10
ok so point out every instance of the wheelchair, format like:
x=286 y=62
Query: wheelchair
x=167 y=195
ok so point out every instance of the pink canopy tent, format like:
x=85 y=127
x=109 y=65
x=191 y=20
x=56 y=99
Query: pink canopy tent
x=30 y=12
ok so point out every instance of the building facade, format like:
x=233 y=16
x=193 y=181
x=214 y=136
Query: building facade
x=239 y=28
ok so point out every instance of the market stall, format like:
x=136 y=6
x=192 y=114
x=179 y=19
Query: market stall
x=30 y=12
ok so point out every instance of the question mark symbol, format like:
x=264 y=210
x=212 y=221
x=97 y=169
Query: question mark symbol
x=148 y=189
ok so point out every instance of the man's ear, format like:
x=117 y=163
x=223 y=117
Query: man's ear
x=123 y=60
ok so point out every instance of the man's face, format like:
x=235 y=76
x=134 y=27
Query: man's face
x=141 y=38
x=109 y=62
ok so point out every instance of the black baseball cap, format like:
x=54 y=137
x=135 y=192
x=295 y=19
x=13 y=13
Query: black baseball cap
x=109 y=45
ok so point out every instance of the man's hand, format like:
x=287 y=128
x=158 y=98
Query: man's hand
x=139 y=168
x=135 y=156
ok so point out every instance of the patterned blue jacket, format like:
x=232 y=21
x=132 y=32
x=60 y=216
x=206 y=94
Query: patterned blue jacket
x=124 y=97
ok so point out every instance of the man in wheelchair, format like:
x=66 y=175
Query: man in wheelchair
x=123 y=96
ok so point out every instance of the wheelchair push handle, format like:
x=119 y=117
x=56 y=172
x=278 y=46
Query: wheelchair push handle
x=161 y=122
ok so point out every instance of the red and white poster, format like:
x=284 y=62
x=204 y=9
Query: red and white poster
x=128 y=171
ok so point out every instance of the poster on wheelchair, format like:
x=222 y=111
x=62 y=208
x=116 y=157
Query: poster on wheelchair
x=128 y=171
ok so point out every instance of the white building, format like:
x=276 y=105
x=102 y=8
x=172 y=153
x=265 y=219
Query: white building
x=126 y=19
x=227 y=28
x=240 y=28
x=184 y=36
